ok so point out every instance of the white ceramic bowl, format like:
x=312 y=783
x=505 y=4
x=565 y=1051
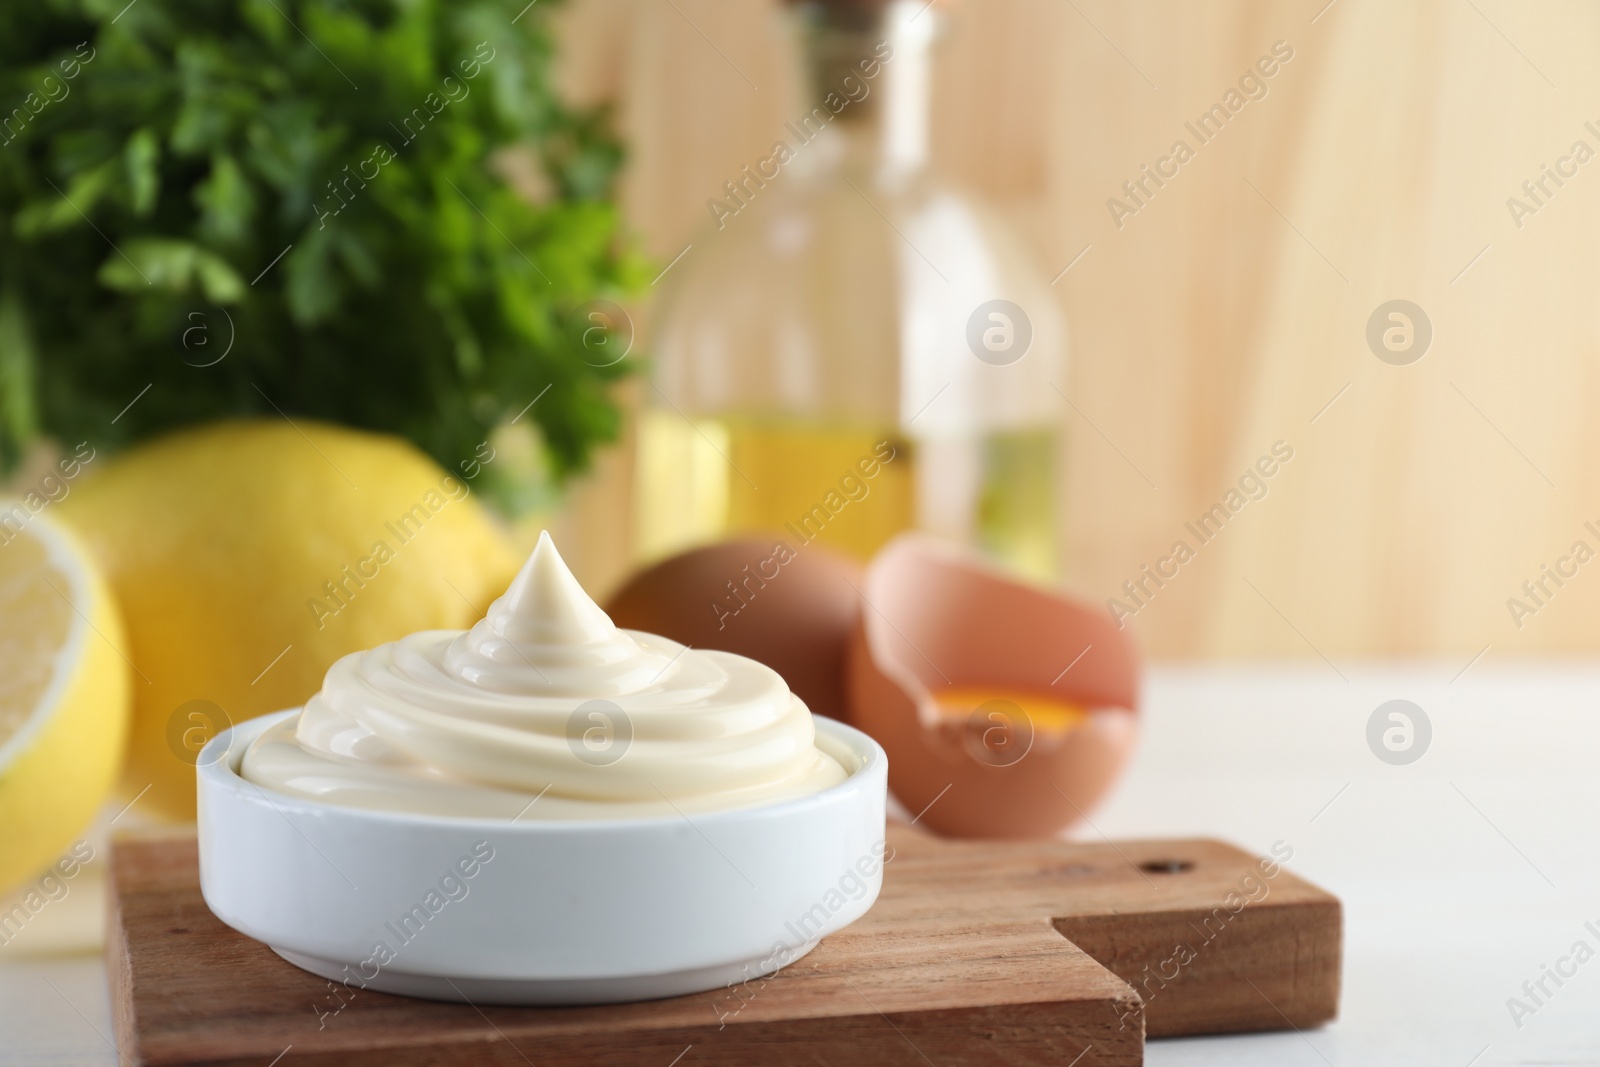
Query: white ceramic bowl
x=529 y=912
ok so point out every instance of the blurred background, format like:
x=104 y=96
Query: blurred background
x=1232 y=311
x=1200 y=322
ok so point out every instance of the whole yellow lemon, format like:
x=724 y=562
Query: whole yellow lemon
x=248 y=556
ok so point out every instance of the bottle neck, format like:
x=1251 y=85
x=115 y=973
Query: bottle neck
x=867 y=67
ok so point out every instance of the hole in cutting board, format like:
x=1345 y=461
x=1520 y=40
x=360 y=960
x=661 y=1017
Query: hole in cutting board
x=1166 y=866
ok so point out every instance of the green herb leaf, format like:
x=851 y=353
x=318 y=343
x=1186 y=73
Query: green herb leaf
x=322 y=169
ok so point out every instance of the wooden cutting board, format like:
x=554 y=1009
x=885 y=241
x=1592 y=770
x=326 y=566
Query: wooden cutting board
x=1000 y=953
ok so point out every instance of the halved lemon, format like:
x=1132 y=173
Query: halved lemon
x=64 y=692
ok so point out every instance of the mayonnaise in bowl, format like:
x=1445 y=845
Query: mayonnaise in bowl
x=545 y=710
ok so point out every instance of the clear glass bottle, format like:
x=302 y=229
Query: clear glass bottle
x=845 y=295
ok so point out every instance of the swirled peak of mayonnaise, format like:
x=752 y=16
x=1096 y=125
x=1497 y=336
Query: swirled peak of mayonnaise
x=545 y=710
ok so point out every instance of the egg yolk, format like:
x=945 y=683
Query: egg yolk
x=1046 y=713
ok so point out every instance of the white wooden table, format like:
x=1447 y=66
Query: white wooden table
x=1462 y=874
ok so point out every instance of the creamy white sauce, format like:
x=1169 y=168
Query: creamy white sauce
x=545 y=710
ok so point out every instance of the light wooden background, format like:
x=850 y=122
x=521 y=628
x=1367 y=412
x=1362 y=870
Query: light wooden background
x=1230 y=311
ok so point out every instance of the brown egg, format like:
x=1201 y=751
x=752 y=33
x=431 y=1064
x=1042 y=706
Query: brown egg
x=790 y=606
x=1006 y=711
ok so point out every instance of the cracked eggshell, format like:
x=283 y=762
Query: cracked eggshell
x=937 y=617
